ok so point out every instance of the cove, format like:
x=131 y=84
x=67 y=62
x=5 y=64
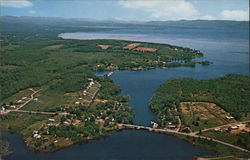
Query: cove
x=228 y=49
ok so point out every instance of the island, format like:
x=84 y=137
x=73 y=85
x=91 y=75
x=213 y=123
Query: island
x=212 y=113
x=50 y=93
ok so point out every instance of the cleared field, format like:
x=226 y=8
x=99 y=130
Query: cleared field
x=47 y=101
x=54 y=47
x=200 y=115
x=16 y=122
x=19 y=97
x=132 y=46
x=144 y=49
x=104 y=46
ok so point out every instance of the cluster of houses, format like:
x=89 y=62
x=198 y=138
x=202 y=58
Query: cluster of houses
x=86 y=93
x=229 y=128
x=36 y=135
x=3 y=109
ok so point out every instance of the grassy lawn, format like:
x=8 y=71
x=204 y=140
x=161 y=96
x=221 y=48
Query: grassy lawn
x=16 y=122
x=48 y=101
x=240 y=139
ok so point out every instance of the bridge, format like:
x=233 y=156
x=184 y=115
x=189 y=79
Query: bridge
x=170 y=131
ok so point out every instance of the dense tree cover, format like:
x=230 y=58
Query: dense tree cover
x=33 y=56
x=230 y=92
x=30 y=57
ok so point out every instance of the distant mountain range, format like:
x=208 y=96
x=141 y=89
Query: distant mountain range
x=55 y=21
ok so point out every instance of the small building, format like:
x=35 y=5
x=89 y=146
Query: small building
x=19 y=101
x=90 y=79
x=35 y=99
x=13 y=106
x=91 y=83
x=51 y=120
x=23 y=98
x=37 y=135
x=216 y=129
x=154 y=125
x=171 y=126
x=66 y=123
x=234 y=127
x=77 y=102
x=229 y=117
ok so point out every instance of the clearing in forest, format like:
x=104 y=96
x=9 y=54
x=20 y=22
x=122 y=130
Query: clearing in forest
x=102 y=46
x=54 y=47
x=200 y=115
x=144 y=49
x=132 y=46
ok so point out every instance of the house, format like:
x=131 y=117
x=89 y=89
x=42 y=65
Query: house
x=91 y=83
x=216 y=129
x=51 y=120
x=13 y=106
x=155 y=125
x=66 y=123
x=77 y=102
x=171 y=126
x=37 y=136
x=234 y=127
x=229 y=117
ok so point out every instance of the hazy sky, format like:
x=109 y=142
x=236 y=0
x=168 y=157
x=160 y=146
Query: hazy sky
x=143 y=10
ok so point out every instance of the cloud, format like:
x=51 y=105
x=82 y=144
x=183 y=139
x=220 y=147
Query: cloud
x=32 y=12
x=163 y=10
x=181 y=9
x=207 y=17
x=15 y=3
x=237 y=15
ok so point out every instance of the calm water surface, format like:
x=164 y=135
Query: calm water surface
x=227 y=48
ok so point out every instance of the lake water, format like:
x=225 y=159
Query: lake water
x=227 y=48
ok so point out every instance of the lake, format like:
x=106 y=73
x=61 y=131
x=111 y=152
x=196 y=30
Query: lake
x=228 y=49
